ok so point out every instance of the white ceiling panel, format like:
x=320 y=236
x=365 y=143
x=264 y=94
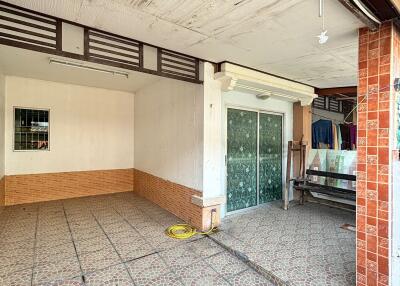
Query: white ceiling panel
x=277 y=36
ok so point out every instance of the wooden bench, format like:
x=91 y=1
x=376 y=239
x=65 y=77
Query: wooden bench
x=307 y=184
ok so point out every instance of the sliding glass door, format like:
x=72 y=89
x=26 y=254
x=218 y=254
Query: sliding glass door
x=241 y=159
x=270 y=158
x=254 y=158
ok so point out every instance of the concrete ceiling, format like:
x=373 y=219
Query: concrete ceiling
x=277 y=36
x=24 y=63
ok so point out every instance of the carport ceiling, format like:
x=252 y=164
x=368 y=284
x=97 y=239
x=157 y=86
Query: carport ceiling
x=277 y=36
x=24 y=63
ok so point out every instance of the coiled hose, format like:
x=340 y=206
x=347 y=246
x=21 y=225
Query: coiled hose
x=185 y=231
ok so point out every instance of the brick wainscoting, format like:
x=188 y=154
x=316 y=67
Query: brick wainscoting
x=168 y=195
x=33 y=188
x=2 y=193
x=175 y=198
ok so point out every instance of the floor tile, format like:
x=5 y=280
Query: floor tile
x=205 y=247
x=145 y=269
x=249 y=277
x=63 y=269
x=179 y=257
x=98 y=260
x=19 y=278
x=48 y=254
x=169 y=279
x=200 y=274
x=11 y=264
x=282 y=242
x=134 y=249
x=92 y=245
x=115 y=275
x=226 y=264
x=66 y=282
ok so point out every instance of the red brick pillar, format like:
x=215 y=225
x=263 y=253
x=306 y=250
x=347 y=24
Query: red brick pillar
x=375 y=98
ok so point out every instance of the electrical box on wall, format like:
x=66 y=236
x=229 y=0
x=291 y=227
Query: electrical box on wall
x=72 y=39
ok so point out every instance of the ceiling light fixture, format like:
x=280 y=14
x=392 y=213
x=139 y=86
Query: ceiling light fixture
x=323 y=37
x=366 y=11
x=82 y=66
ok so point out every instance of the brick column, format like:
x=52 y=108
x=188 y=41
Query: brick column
x=375 y=98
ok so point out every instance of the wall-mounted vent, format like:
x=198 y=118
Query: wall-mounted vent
x=334 y=105
x=25 y=29
x=104 y=48
x=347 y=107
x=178 y=66
x=319 y=102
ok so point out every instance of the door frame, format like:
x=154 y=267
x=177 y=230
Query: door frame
x=225 y=153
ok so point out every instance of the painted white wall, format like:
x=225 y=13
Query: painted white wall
x=168 y=131
x=90 y=128
x=324 y=114
x=212 y=134
x=247 y=101
x=2 y=126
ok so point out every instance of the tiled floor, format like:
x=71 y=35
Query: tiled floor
x=302 y=246
x=109 y=240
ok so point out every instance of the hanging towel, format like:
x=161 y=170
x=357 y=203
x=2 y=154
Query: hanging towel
x=322 y=133
x=335 y=137
x=339 y=136
x=353 y=136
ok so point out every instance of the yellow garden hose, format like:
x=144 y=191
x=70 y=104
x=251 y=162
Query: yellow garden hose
x=185 y=231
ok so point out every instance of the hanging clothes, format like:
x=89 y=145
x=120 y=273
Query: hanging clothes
x=335 y=137
x=322 y=133
x=353 y=136
x=339 y=136
x=345 y=133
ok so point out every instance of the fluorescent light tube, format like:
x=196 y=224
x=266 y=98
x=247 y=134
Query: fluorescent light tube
x=82 y=66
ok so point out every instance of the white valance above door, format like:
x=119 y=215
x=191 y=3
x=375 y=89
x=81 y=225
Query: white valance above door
x=234 y=77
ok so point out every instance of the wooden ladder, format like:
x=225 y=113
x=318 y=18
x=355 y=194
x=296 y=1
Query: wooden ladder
x=294 y=146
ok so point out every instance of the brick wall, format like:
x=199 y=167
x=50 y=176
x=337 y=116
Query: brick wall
x=2 y=193
x=171 y=196
x=32 y=188
x=373 y=152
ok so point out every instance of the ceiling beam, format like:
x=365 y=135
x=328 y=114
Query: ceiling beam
x=337 y=91
x=359 y=14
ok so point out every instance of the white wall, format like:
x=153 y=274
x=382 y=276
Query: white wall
x=212 y=140
x=2 y=125
x=249 y=101
x=324 y=114
x=90 y=128
x=168 y=131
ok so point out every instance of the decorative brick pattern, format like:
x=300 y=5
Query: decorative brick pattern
x=21 y=189
x=170 y=196
x=373 y=176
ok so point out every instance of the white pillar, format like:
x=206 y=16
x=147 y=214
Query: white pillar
x=212 y=140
